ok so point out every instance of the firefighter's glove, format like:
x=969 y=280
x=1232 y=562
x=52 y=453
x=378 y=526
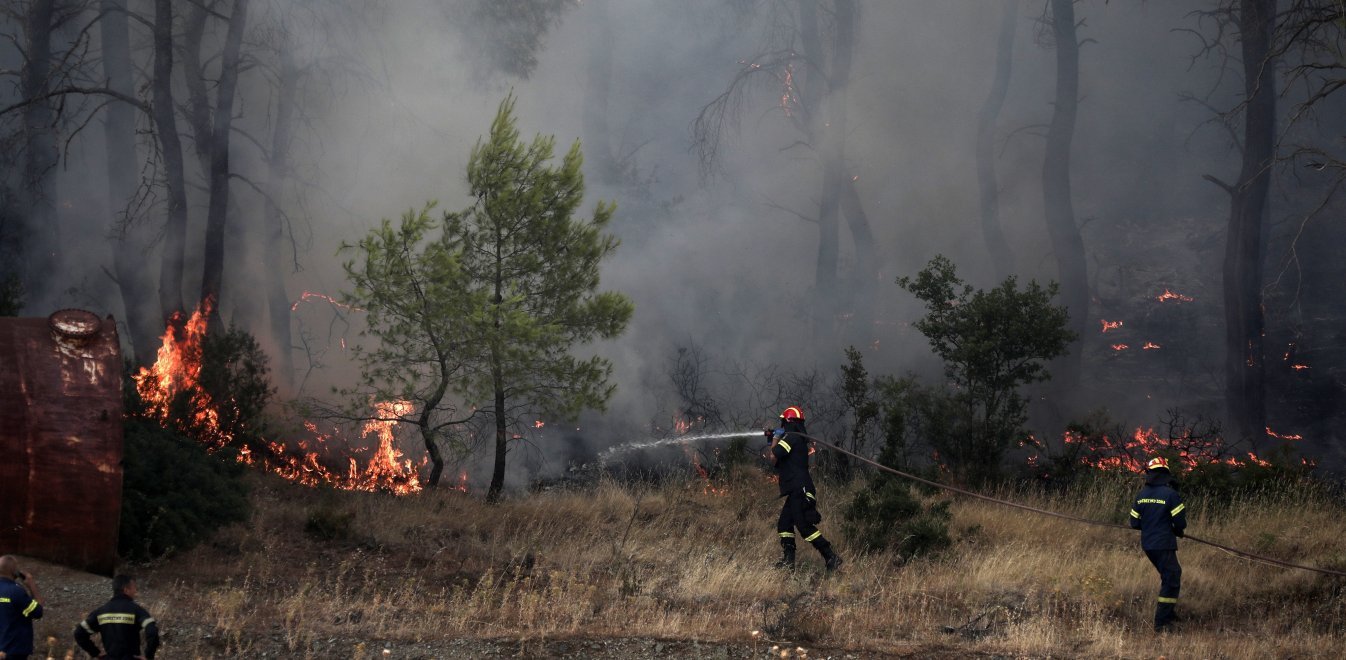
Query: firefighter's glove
x=767 y=433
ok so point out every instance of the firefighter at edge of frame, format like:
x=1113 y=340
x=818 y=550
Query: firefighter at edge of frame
x=1159 y=515
x=789 y=452
x=119 y=623
x=20 y=604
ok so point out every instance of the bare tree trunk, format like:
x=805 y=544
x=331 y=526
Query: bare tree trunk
x=986 y=122
x=813 y=95
x=119 y=130
x=1058 y=208
x=41 y=234
x=278 y=302
x=212 y=275
x=498 y=376
x=170 y=143
x=1245 y=368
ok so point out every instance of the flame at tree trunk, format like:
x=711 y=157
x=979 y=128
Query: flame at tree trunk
x=171 y=392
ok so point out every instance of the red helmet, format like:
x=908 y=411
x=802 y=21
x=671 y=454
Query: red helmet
x=792 y=413
x=1157 y=463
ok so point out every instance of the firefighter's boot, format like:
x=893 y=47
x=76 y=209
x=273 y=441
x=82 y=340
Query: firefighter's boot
x=787 y=560
x=830 y=557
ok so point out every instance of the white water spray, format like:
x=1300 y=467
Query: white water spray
x=664 y=442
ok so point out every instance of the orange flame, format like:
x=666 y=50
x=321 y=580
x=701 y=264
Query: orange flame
x=539 y=424
x=314 y=295
x=1110 y=325
x=1120 y=347
x=1169 y=295
x=708 y=488
x=172 y=384
x=1104 y=452
x=1149 y=346
x=1299 y=367
x=1274 y=434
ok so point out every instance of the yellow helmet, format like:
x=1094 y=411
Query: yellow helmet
x=1157 y=463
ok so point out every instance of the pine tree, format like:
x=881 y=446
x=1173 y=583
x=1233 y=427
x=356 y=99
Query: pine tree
x=530 y=277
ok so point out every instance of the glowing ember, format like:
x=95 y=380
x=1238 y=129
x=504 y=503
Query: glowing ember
x=1130 y=454
x=308 y=296
x=1274 y=434
x=708 y=488
x=1299 y=367
x=1169 y=295
x=1120 y=347
x=1110 y=325
x=172 y=385
x=1149 y=346
x=539 y=424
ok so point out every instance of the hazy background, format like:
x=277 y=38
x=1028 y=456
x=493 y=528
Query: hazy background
x=402 y=90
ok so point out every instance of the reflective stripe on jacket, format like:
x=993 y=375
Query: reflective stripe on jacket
x=1158 y=512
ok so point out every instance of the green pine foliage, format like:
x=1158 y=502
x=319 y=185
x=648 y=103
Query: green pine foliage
x=530 y=270
x=992 y=343
x=489 y=303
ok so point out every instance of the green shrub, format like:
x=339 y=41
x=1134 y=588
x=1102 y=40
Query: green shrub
x=327 y=523
x=174 y=493
x=886 y=516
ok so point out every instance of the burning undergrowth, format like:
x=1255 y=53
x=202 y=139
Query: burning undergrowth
x=213 y=388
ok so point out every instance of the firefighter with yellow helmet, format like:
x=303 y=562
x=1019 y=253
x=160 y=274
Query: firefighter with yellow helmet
x=789 y=452
x=1159 y=514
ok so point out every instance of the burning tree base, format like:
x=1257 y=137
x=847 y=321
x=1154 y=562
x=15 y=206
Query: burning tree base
x=173 y=393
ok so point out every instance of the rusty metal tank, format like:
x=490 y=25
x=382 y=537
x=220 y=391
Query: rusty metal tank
x=61 y=439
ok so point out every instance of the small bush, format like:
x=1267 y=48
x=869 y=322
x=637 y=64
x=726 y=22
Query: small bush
x=326 y=523
x=885 y=515
x=174 y=493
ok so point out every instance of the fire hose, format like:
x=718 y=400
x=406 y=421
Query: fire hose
x=1233 y=551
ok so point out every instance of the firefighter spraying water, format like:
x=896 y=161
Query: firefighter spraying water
x=789 y=452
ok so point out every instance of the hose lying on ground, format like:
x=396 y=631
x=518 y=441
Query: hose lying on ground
x=1234 y=551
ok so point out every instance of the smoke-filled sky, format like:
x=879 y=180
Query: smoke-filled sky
x=720 y=261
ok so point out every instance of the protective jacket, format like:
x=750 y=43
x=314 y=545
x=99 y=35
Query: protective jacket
x=792 y=460
x=17 y=612
x=1159 y=513
x=119 y=622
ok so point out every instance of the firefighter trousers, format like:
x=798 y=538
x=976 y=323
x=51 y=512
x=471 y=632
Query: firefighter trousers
x=800 y=512
x=1170 y=582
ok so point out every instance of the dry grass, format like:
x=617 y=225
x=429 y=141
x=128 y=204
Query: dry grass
x=672 y=562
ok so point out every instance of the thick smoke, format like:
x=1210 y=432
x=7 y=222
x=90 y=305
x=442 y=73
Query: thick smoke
x=398 y=92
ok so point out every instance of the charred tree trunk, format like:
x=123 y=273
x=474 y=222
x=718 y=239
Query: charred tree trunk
x=992 y=232
x=498 y=375
x=170 y=144
x=278 y=302
x=813 y=93
x=119 y=131
x=212 y=272
x=1245 y=369
x=1067 y=244
x=41 y=235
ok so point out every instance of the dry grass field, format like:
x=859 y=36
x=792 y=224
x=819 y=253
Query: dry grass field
x=328 y=574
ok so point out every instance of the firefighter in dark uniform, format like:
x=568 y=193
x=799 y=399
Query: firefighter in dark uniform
x=799 y=514
x=1159 y=514
x=20 y=605
x=119 y=622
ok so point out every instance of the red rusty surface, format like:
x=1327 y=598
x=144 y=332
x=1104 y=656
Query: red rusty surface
x=61 y=438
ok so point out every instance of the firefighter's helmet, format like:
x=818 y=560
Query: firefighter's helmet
x=1157 y=463
x=792 y=413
